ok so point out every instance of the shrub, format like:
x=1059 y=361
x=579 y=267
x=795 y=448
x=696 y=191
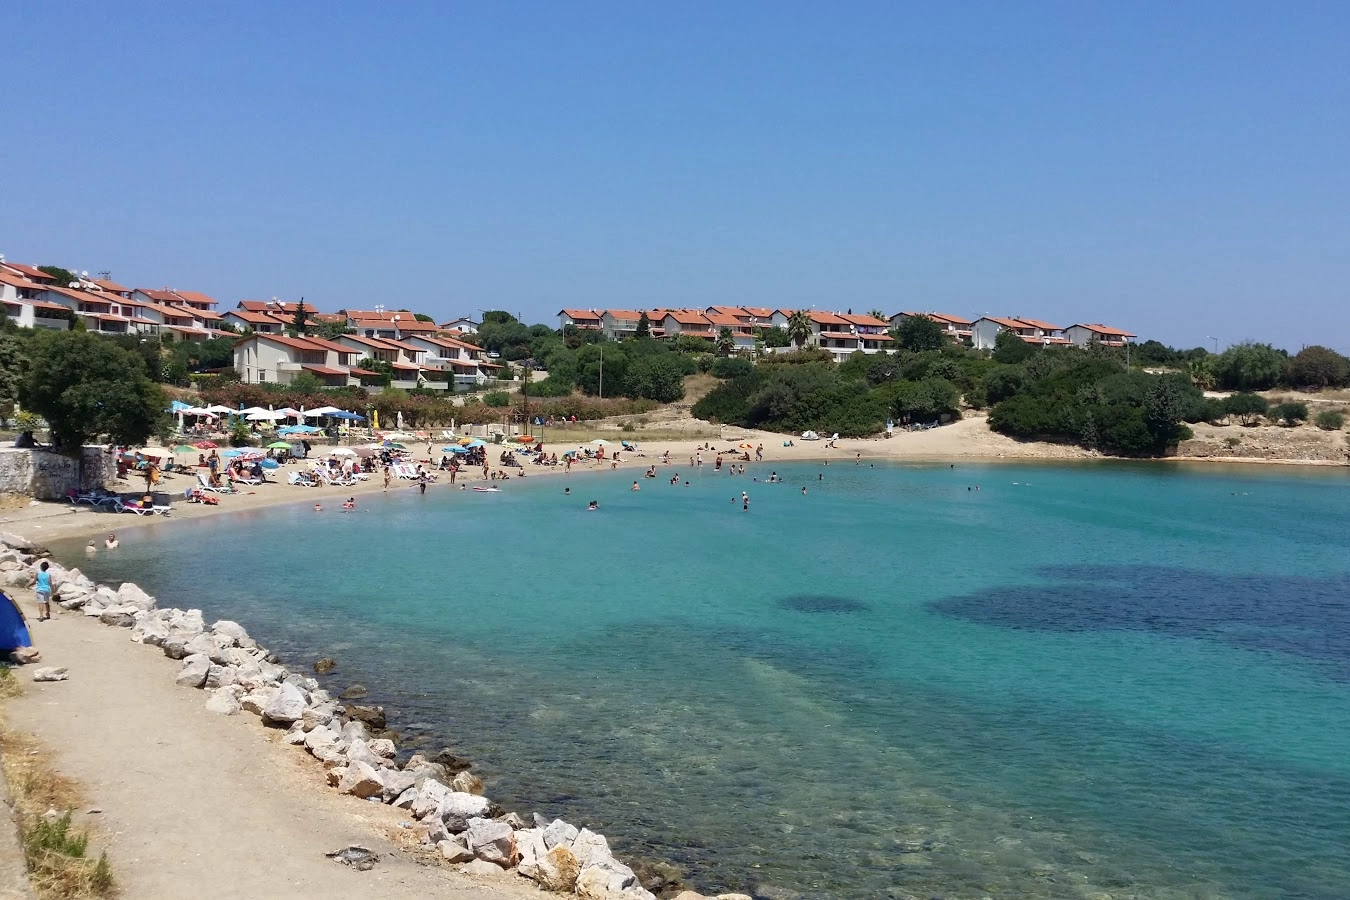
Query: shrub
x=1232 y=441
x=732 y=367
x=497 y=399
x=1330 y=420
x=1290 y=413
x=1246 y=406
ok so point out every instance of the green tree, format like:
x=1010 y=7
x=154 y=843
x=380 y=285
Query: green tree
x=63 y=277
x=1011 y=349
x=1290 y=414
x=1246 y=406
x=86 y=386
x=299 y=322
x=775 y=337
x=1201 y=373
x=1319 y=367
x=306 y=383
x=918 y=334
x=384 y=369
x=799 y=327
x=1164 y=405
x=423 y=317
x=13 y=368
x=1250 y=367
x=877 y=314
x=726 y=341
x=644 y=325
x=331 y=330
x=658 y=378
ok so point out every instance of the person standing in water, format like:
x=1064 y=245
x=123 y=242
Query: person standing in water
x=42 y=586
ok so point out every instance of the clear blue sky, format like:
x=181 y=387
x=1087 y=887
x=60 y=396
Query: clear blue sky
x=1178 y=169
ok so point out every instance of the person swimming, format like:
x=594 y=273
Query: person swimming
x=594 y=504
x=111 y=543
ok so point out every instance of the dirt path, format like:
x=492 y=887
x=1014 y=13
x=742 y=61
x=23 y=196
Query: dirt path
x=200 y=805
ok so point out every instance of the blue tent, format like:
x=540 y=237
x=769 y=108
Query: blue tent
x=13 y=627
x=346 y=415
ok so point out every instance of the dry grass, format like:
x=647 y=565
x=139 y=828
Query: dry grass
x=54 y=849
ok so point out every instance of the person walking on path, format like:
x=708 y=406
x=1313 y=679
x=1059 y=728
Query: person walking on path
x=42 y=585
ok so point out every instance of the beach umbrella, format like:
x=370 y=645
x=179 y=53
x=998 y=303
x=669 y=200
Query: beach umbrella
x=454 y=449
x=231 y=452
x=476 y=443
x=206 y=445
x=363 y=452
x=601 y=441
x=271 y=464
x=224 y=410
x=278 y=445
x=184 y=448
x=266 y=415
x=394 y=445
x=343 y=451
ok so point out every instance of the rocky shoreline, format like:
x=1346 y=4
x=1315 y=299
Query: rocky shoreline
x=443 y=799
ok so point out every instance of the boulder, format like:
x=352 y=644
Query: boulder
x=355 y=692
x=453 y=851
x=320 y=714
x=256 y=701
x=405 y=799
x=481 y=868
x=689 y=895
x=396 y=783
x=383 y=748
x=588 y=845
x=189 y=620
x=223 y=701
x=120 y=616
x=360 y=780
x=325 y=665
x=359 y=751
x=429 y=797
x=51 y=673
x=318 y=695
x=194 y=671
x=512 y=819
x=452 y=763
x=493 y=842
x=150 y=631
x=95 y=610
x=22 y=656
x=286 y=706
x=559 y=834
x=555 y=870
x=733 y=897
x=353 y=731
x=219 y=676
x=598 y=880
x=468 y=783
x=457 y=809
x=320 y=736
x=235 y=632
x=371 y=715
x=295 y=737
x=130 y=595
x=175 y=642
x=201 y=643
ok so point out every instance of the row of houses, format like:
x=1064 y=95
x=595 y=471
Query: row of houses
x=421 y=353
x=843 y=334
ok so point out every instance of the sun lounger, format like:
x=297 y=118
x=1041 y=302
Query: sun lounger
x=119 y=506
x=206 y=486
x=301 y=479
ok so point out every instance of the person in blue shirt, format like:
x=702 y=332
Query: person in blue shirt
x=43 y=587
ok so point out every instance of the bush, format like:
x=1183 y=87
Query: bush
x=732 y=367
x=1246 y=406
x=1290 y=413
x=497 y=399
x=1330 y=420
x=1318 y=367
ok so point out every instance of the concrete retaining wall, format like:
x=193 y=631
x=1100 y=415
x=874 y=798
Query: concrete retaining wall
x=44 y=475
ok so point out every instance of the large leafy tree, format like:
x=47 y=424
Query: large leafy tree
x=86 y=386
x=799 y=327
x=919 y=333
x=1319 y=367
x=63 y=277
x=1251 y=367
x=1011 y=349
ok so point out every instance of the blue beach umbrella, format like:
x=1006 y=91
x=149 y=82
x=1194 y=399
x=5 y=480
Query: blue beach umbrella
x=454 y=449
x=231 y=452
x=270 y=464
x=476 y=443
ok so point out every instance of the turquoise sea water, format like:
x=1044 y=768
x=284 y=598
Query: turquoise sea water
x=1101 y=679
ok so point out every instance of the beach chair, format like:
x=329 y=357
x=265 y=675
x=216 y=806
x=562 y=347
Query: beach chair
x=154 y=510
x=206 y=486
x=301 y=479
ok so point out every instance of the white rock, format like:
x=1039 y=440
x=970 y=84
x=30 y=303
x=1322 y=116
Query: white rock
x=456 y=808
x=588 y=845
x=200 y=643
x=468 y=783
x=51 y=673
x=358 y=751
x=429 y=798
x=150 y=631
x=556 y=869
x=189 y=620
x=193 y=673
x=219 y=676
x=321 y=736
x=319 y=714
x=121 y=616
x=559 y=834
x=131 y=595
x=493 y=842
x=405 y=799
x=234 y=631
x=295 y=737
x=480 y=868
x=382 y=747
x=223 y=701
x=396 y=783
x=600 y=882
x=355 y=730
x=256 y=701
x=286 y=706
x=361 y=780
x=454 y=852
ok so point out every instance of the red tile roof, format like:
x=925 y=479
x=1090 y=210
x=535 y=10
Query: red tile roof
x=32 y=272
x=165 y=296
x=253 y=318
x=195 y=297
x=625 y=315
x=1103 y=329
x=1014 y=324
x=821 y=317
x=687 y=316
x=579 y=313
x=1043 y=326
x=110 y=285
x=323 y=370
x=864 y=320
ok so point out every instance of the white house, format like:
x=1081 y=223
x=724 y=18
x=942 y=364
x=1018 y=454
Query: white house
x=581 y=318
x=618 y=324
x=24 y=305
x=986 y=329
x=464 y=325
x=259 y=322
x=742 y=332
x=957 y=328
x=1082 y=335
x=276 y=358
x=687 y=321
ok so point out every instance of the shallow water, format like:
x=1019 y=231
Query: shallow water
x=1129 y=680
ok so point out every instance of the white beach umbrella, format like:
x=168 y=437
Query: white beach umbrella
x=601 y=441
x=222 y=410
x=322 y=411
x=343 y=451
x=266 y=415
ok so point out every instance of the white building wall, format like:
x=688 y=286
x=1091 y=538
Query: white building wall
x=983 y=334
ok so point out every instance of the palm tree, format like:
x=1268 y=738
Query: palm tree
x=799 y=327
x=877 y=314
x=1201 y=375
x=726 y=341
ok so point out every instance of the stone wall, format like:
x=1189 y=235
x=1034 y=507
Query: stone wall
x=44 y=475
